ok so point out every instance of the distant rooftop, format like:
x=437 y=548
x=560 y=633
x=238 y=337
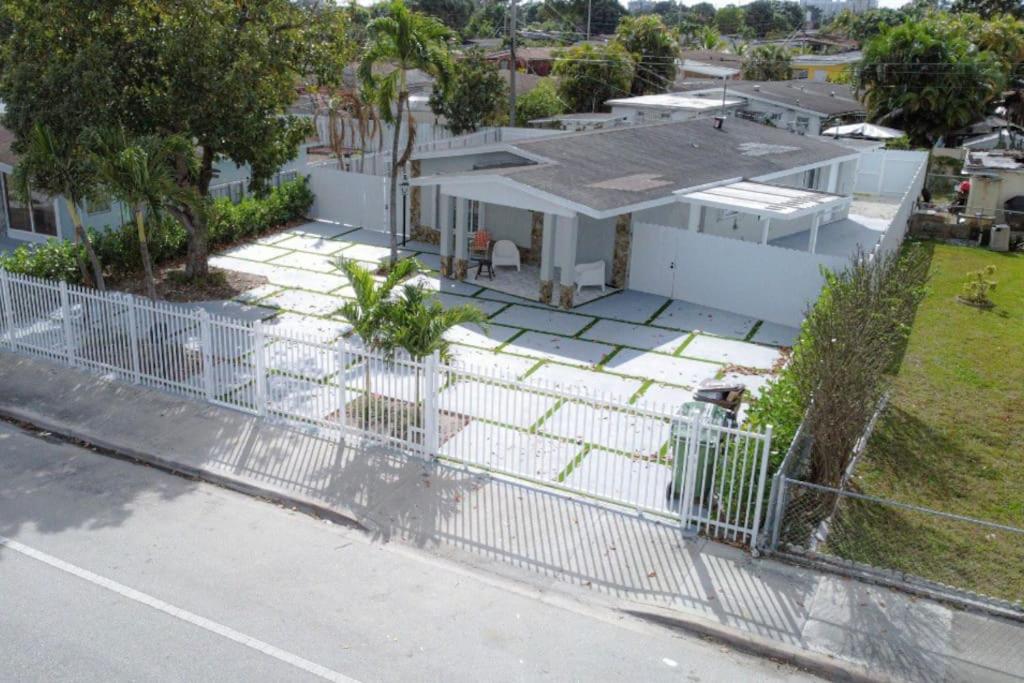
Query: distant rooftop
x=674 y=100
x=994 y=160
x=841 y=58
x=828 y=99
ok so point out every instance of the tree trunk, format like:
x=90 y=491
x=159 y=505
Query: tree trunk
x=196 y=265
x=393 y=186
x=147 y=262
x=83 y=237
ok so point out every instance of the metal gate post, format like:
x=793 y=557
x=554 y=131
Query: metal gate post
x=431 y=414
x=766 y=449
x=342 y=362
x=206 y=343
x=133 y=338
x=260 y=367
x=8 y=304
x=780 y=511
x=65 y=313
x=690 y=466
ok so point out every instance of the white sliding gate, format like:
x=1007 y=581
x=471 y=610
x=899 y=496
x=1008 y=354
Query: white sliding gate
x=648 y=457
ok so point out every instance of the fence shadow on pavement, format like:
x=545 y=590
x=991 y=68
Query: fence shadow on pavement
x=480 y=518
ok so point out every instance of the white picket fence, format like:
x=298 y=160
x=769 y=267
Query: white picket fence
x=665 y=460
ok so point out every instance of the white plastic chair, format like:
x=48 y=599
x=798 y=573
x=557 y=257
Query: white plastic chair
x=505 y=253
x=589 y=275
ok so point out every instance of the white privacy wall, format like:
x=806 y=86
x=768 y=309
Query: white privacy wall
x=888 y=172
x=349 y=198
x=764 y=282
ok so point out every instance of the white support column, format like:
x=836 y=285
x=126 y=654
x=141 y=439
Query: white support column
x=696 y=213
x=461 y=228
x=815 y=223
x=833 y=177
x=765 y=225
x=259 y=346
x=444 y=227
x=547 y=258
x=568 y=229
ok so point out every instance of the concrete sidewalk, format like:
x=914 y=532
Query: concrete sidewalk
x=835 y=626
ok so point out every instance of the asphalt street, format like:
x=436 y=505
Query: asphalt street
x=111 y=570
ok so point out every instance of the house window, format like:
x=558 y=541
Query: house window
x=811 y=180
x=475 y=217
x=802 y=124
x=97 y=206
x=37 y=217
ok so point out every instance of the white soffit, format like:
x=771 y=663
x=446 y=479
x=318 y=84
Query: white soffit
x=762 y=199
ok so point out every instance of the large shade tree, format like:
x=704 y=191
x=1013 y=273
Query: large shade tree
x=589 y=75
x=928 y=78
x=654 y=48
x=474 y=95
x=402 y=40
x=221 y=73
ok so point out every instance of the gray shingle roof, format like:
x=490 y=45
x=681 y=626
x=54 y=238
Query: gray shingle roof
x=829 y=99
x=619 y=167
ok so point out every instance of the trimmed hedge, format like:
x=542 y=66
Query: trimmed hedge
x=118 y=250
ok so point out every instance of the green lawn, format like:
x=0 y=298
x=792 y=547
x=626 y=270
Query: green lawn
x=952 y=438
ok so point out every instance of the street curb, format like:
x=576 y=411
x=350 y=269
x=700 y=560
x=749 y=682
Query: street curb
x=827 y=667
x=742 y=641
x=128 y=453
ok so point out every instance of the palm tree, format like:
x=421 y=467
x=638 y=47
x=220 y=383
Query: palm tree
x=139 y=172
x=708 y=38
x=768 y=63
x=60 y=167
x=421 y=322
x=348 y=116
x=403 y=40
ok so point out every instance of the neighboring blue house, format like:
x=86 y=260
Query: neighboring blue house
x=48 y=217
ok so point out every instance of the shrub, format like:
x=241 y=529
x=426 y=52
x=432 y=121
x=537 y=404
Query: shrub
x=54 y=260
x=850 y=343
x=977 y=285
x=118 y=249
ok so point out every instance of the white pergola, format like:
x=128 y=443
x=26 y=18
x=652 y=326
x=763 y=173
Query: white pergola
x=768 y=202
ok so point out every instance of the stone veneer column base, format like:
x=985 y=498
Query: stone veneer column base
x=623 y=244
x=446 y=266
x=547 y=287
x=536 y=237
x=565 y=296
x=461 y=268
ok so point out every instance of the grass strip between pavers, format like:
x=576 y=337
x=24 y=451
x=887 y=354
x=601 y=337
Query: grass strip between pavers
x=573 y=463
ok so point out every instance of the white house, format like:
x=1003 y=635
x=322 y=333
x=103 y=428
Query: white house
x=800 y=106
x=740 y=217
x=671 y=106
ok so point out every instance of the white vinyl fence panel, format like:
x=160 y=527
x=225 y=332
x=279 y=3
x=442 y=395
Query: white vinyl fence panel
x=355 y=199
x=679 y=464
x=887 y=172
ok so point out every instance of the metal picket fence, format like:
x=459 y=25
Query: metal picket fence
x=677 y=463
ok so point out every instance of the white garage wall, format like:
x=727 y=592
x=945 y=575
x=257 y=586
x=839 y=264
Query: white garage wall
x=764 y=282
x=349 y=198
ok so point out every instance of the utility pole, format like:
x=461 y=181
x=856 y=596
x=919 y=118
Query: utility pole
x=589 y=4
x=512 y=64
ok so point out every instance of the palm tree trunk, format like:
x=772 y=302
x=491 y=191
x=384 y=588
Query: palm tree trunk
x=83 y=237
x=393 y=189
x=147 y=262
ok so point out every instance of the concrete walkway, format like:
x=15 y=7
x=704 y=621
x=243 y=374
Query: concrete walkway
x=838 y=627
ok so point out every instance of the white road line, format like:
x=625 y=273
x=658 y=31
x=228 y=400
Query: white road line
x=177 y=613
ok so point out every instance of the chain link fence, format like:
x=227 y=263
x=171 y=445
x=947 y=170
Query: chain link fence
x=903 y=543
